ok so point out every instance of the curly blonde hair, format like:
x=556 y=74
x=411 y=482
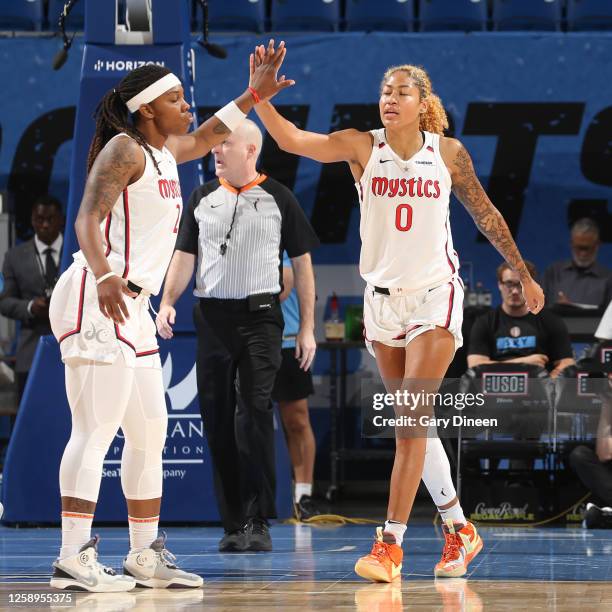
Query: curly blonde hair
x=434 y=119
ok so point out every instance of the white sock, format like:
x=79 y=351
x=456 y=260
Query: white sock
x=142 y=531
x=397 y=529
x=455 y=513
x=76 y=531
x=302 y=488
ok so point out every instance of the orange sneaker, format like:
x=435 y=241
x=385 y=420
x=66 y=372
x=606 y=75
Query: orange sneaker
x=384 y=563
x=460 y=548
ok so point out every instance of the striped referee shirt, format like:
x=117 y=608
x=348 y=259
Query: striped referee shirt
x=267 y=221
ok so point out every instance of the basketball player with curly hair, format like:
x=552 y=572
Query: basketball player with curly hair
x=404 y=174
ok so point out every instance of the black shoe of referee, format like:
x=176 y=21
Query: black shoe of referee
x=258 y=535
x=306 y=508
x=234 y=541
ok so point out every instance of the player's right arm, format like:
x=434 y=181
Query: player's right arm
x=351 y=146
x=179 y=274
x=120 y=163
x=345 y=145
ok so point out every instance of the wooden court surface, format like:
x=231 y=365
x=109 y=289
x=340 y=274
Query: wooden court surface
x=456 y=594
x=312 y=569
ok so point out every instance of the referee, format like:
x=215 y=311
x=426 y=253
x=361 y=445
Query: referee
x=237 y=227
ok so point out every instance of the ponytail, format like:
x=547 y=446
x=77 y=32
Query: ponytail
x=434 y=119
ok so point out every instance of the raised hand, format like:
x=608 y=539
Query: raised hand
x=264 y=64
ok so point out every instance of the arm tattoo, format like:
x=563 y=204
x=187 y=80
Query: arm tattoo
x=488 y=219
x=110 y=176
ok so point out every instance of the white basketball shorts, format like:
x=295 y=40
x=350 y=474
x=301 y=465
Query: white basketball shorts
x=83 y=331
x=395 y=320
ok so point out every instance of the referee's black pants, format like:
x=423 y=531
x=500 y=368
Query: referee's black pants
x=238 y=356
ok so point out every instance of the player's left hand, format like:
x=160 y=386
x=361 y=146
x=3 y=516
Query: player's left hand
x=305 y=348
x=264 y=64
x=533 y=294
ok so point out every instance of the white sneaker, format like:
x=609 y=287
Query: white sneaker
x=83 y=572
x=153 y=567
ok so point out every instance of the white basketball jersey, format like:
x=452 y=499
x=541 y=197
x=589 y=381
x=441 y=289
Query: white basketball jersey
x=140 y=232
x=405 y=231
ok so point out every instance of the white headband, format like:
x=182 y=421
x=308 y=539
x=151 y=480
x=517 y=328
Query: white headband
x=152 y=91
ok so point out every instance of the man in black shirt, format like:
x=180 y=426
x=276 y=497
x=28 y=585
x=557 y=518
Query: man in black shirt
x=510 y=333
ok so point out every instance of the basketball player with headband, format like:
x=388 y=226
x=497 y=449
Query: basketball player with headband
x=127 y=227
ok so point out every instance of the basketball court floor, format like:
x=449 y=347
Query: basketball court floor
x=311 y=568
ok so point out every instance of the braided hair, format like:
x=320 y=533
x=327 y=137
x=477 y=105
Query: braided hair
x=113 y=117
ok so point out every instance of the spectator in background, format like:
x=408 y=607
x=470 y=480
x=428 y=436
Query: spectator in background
x=30 y=271
x=510 y=333
x=594 y=467
x=580 y=281
x=292 y=387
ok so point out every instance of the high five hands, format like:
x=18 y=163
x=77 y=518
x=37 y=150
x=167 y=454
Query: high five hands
x=264 y=64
